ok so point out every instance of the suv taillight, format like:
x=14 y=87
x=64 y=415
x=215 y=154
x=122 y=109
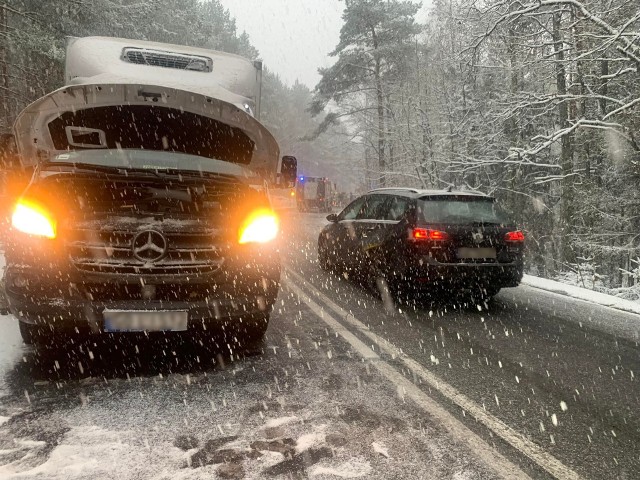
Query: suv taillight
x=427 y=234
x=514 y=237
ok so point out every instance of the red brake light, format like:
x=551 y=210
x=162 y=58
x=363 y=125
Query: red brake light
x=420 y=234
x=516 y=237
x=437 y=235
x=426 y=234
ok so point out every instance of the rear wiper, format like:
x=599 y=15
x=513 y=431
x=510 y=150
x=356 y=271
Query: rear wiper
x=489 y=222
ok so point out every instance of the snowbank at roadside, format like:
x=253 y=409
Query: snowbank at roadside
x=582 y=294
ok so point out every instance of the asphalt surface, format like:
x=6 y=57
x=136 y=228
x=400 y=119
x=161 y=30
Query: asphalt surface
x=558 y=375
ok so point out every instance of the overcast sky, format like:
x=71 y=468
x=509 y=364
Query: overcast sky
x=294 y=37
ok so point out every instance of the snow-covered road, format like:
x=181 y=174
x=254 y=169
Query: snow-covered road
x=305 y=405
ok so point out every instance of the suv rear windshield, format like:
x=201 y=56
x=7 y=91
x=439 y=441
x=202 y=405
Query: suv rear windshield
x=460 y=210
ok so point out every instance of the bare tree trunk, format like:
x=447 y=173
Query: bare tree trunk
x=426 y=150
x=5 y=114
x=381 y=126
x=380 y=99
x=604 y=91
x=579 y=45
x=566 y=150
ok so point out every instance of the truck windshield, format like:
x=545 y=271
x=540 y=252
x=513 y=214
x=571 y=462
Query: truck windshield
x=459 y=210
x=151 y=160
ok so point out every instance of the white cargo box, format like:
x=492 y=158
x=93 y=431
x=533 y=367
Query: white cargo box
x=224 y=76
x=123 y=93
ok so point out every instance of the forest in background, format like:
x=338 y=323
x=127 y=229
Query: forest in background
x=536 y=102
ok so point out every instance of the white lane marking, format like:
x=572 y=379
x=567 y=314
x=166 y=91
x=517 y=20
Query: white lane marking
x=514 y=438
x=497 y=463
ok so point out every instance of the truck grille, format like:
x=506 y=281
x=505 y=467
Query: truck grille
x=111 y=252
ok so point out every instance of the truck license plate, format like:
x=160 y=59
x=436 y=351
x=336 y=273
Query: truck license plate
x=144 y=320
x=476 y=253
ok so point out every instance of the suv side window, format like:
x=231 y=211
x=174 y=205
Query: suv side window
x=351 y=211
x=395 y=208
x=372 y=208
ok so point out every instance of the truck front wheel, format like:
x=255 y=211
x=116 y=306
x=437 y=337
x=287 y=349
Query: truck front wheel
x=253 y=330
x=29 y=333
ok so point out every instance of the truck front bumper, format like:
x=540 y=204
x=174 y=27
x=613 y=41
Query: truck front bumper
x=68 y=301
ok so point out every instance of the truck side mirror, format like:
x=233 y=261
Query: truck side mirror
x=289 y=171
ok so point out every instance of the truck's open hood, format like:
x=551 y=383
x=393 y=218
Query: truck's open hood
x=151 y=117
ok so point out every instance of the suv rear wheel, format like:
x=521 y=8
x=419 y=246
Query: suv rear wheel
x=323 y=257
x=490 y=292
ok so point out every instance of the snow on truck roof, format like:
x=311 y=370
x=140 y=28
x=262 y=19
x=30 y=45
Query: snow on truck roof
x=105 y=60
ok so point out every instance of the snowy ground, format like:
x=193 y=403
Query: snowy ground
x=305 y=406
x=582 y=294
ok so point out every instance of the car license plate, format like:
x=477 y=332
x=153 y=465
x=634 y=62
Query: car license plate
x=476 y=253
x=145 y=320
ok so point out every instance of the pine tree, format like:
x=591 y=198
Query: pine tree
x=374 y=42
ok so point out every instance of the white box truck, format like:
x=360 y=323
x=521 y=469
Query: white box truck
x=148 y=207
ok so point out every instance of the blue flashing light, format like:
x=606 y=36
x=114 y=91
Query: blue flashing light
x=302 y=179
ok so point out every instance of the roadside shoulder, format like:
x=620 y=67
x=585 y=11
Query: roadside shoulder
x=582 y=294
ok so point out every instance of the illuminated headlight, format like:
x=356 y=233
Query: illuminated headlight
x=30 y=218
x=260 y=227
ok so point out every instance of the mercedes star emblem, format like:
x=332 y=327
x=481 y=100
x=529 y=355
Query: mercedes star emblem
x=149 y=246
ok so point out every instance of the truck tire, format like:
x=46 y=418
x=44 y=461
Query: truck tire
x=258 y=330
x=29 y=333
x=252 y=331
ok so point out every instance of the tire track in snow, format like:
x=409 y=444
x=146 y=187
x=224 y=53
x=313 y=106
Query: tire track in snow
x=485 y=452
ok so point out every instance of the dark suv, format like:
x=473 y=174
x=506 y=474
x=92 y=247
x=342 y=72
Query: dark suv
x=422 y=240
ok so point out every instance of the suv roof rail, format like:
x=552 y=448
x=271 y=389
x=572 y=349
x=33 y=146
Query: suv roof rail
x=405 y=189
x=464 y=191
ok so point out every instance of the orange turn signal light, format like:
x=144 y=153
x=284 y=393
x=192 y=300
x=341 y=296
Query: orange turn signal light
x=29 y=217
x=261 y=226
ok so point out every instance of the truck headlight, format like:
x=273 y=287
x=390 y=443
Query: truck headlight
x=29 y=217
x=260 y=227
